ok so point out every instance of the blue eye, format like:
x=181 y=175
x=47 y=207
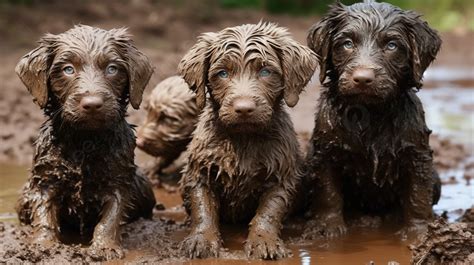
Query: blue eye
x=68 y=70
x=111 y=69
x=391 y=45
x=348 y=44
x=223 y=74
x=264 y=72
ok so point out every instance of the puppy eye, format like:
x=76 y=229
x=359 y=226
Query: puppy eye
x=111 y=69
x=391 y=46
x=348 y=44
x=264 y=72
x=68 y=70
x=223 y=74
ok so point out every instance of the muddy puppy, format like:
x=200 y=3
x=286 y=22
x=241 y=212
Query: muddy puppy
x=83 y=175
x=244 y=156
x=370 y=151
x=167 y=130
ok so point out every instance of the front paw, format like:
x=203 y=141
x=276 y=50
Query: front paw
x=45 y=237
x=104 y=251
x=413 y=228
x=260 y=246
x=315 y=229
x=201 y=245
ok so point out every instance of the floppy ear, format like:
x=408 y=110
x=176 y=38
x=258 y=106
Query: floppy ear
x=319 y=38
x=33 y=70
x=298 y=63
x=139 y=67
x=194 y=67
x=425 y=44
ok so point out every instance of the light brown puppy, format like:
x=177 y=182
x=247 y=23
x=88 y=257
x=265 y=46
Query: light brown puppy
x=244 y=156
x=167 y=130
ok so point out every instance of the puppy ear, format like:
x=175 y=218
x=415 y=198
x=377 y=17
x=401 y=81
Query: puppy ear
x=138 y=64
x=425 y=44
x=298 y=63
x=33 y=69
x=319 y=38
x=194 y=67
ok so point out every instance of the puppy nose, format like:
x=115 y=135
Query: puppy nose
x=244 y=106
x=140 y=142
x=91 y=103
x=363 y=76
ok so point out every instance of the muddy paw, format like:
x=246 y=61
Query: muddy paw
x=45 y=237
x=413 y=229
x=99 y=252
x=199 y=245
x=258 y=247
x=329 y=230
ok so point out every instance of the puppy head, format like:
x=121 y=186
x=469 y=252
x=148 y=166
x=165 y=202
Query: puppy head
x=247 y=70
x=172 y=115
x=369 y=50
x=87 y=75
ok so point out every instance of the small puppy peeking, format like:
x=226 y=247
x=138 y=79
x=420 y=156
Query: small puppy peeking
x=172 y=115
x=83 y=175
x=244 y=156
x=369 y=151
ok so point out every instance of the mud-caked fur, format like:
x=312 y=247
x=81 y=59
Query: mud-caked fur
x=369 y=151
x=244 y=156
x=171 y=118
x=83 y=176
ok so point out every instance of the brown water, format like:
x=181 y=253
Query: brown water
x=449 y=112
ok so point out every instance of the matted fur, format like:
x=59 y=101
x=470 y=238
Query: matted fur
x=243 y=168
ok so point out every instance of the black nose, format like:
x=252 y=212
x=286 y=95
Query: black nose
x=363 y=76
x=91 y=103
x=244 y=106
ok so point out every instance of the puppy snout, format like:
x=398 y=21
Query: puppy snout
x=363 y=76
x=244 y=106
x=91 y=103
x=140 y=142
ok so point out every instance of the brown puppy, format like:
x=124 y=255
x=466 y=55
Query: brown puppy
x=244 y=156
x=83 y=175
x=369 y=151
x=167 y=130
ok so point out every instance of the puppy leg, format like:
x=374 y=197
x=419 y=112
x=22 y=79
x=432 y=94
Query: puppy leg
x=204 y=240
x=327 y=207
x=264 y=241
x=106 y=239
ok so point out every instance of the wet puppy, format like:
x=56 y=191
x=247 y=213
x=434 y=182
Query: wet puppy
x=244 y=156
x=83 y=174
x=171 y=119
x=369 y=152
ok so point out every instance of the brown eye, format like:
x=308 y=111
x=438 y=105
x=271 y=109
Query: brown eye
x=68 y=70
x=111 y=69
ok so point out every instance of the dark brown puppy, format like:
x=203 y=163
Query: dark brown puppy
x=244 y=156
x=370 y=151
x=172 y=114
x=83 y=174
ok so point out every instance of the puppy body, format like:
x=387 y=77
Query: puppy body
x=167 y=130
x=243 y=158
x=369 y=151
x=83 y=175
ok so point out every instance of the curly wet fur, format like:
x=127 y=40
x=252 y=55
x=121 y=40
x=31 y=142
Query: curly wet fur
x=369 y=151
x=243 y=169
x=83 y=175
x=167 y=130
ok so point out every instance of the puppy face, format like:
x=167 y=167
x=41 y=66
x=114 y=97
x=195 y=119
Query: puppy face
x=171 y=118
x=247 y=71
x=370 y=50
x=86 y=75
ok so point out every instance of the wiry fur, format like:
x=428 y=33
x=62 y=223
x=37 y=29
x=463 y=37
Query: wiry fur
x=83 y=174
x=243 y=168
x=167 y=130
x=369 y=150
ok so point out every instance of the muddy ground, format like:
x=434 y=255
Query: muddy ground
x=164 y=31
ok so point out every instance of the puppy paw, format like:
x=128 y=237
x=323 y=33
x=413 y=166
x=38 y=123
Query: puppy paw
x=327 y=230
x=104 y=252
x=262 y=247
x=45 y=237
x=413 y=229
x=201 y=245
